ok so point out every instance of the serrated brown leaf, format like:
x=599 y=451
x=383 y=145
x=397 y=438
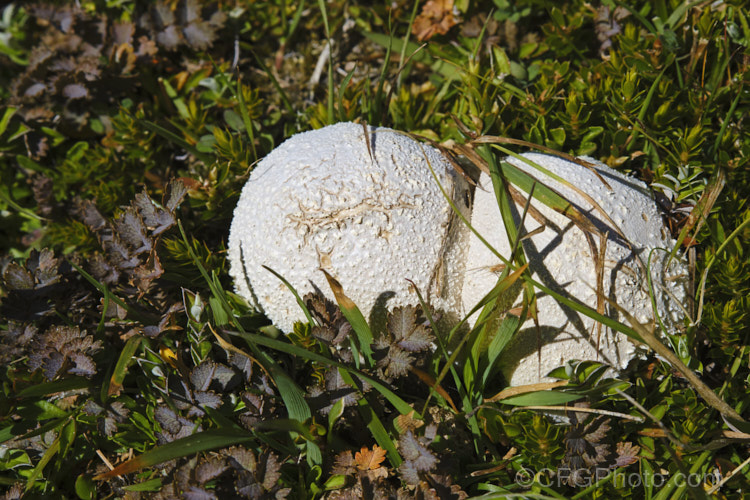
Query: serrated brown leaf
x=132 y=232
x=75 y=91
x=84 y=365
x=409 y=334
x=174 y=194
x=366 y=459
x=627 y=453
x=409 y=446
x=156 y=219
x=242 y=458
x=122 y=32
x=398 y=362
x=272 y=472
x=17 y=278
x=436 y=18
x=409 y=472
x=407 y=422
x=210 y=469
x=202 y=375
x=419 y=339
x=401 y=321
x=596 y=430
x=44 y=266
x=208 y=398
x=344 y=463
x=91 y=216
x=200 y=35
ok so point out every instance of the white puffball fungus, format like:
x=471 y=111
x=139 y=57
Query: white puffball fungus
x=560 y=258
x=371 y=215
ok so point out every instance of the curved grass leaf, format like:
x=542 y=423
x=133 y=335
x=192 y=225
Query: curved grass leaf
x=303 y=353
x=118 y=376
x=354 y=316
x=150 y=485
x=505 y=332
x=175 y=139
x=7 y=115
x=48 y=454
x=541 y=398
x=46 y=388
x=301 y=302
x=203 y=441
x=374 y=424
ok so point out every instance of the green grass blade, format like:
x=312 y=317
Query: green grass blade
x=8 y=433
x=734 y=235
x=150 y=485
x=342 y=89
x=354 y=316
x=132 y=313
x=190 y=445
x=726 y=121
x=508 y=327
x=405 y=43
x=374 y=424
x=324 y=13
x=30 y=164
x=176 y=139
x=569 y=302
x=291 y=394
x=443 y=349
x=294 y=292
x=541 y=398
x=121 y=367
x=282 y=94
x=244 y=113
x=292 y=28
x=303 y=353
x=67 y=384
x=9 y=112
x=29 y=214
x=648 y=24
x=644 y=108
x=48 y=455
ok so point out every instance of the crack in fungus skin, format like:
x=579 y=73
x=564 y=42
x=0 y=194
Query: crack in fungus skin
x=313 y=219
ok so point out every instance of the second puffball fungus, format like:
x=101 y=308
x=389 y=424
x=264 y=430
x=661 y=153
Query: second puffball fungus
x=630 y=228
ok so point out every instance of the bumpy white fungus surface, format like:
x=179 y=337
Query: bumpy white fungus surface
x=560 y=258
x=320 y=200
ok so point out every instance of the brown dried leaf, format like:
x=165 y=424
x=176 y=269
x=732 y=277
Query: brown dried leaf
x=17 y=278
x=366 y=459
x=627 y=453
x=174 y=194
x=132 y=232
x=436 y=18
x=405 y=423
x=344 y=464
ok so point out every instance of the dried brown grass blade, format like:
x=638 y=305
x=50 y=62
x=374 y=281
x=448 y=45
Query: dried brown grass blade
x=493 y=139
x=430 y=381
x=523 y=389
x=699 y=214
x=648 y=336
